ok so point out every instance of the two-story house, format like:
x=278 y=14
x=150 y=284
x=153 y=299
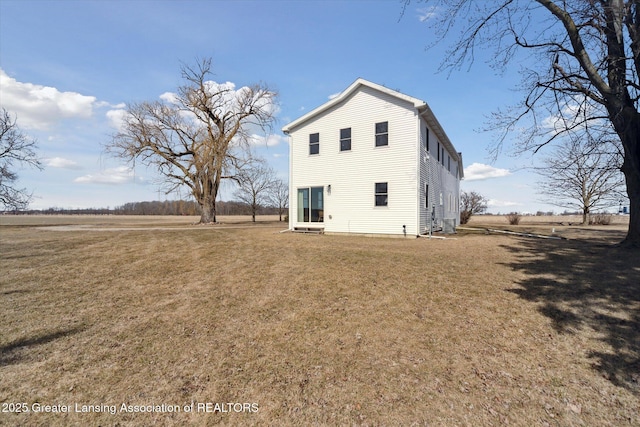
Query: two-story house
x=372 y=161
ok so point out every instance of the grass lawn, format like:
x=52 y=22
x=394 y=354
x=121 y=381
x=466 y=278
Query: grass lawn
x=289 y=329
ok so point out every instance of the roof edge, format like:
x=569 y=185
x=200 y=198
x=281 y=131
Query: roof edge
x=417 y=103
x=435 y=125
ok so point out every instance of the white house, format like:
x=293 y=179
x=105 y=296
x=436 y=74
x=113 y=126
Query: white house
x=374 y=161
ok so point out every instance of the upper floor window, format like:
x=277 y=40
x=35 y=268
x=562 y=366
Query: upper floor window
x=345 y=139
x=426 y=139
x=382 y=195
x=438 y=151
x=382 y=134
x=426 y=196
x=314 y=143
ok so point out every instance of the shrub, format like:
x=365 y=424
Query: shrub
x=600 y=219
x=471 y=203
x=514 y=218
x=465 y=216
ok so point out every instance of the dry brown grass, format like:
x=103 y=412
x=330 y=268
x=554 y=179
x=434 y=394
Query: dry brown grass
x=565 y=226
x=317 y=330
x=129 y=221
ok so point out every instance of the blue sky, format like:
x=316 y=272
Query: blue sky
x=66 y=66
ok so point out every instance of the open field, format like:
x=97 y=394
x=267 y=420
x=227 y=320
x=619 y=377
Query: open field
x=313 y=330
x=564 y=226
x=617 y=221
x=129 y=221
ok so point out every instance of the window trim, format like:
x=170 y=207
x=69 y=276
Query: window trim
x=381 y=134
x=426 y=139
x=310 y=214
x=379 y=193
x=345 y=139
x=314 y=144
x=426 y=197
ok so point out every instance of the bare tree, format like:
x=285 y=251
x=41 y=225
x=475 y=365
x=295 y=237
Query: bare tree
x=279 y=196
x=585 y=69
x=255 y=180
x=193 y=138
x=15 y=148
x=583 y=175
x=471 y=203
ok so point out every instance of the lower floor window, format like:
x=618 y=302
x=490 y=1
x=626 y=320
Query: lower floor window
x=382 y=195
x=310 y=204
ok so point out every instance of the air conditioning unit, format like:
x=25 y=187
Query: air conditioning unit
x=449 y=226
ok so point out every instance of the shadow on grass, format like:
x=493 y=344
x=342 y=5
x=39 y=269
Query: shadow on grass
x=588 y=287
x=14 y=291
x=22 y=349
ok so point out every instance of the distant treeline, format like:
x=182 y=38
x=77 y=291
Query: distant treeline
x=167 y=207
x=622 y=210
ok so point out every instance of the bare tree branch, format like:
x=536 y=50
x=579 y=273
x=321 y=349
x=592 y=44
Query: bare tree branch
x=279 y=196
x=583 y=174
x=471 y=203
x=585 y=66
x=255 y=180
x=191 y=138
x=16 y=149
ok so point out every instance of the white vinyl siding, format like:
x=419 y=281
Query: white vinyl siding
x=437 y=180
x=350 y=207
x=411 y=164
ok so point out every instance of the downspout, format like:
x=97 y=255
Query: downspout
x=419 y=186
x=290 y=180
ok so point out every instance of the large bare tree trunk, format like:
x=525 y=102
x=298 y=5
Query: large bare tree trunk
x=626 y=122
x=199 y=149
x=208 y=215
x=633 y=189
x=585 y=217
x=631 y=170
x=595 y=66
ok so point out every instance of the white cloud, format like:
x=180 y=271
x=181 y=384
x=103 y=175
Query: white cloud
x=334 y=95
x=62 y=163
x=479 y=171
x=494 y=203
x=169 y=97
x=119 y=175
x=116 y=117
x=269 y=140
x=40 y=107
x=226 y=98
x=562 y=122
x=573 y=116
x=427 y=13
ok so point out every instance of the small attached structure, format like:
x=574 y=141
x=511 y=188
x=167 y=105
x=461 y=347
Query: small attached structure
x=372 y=161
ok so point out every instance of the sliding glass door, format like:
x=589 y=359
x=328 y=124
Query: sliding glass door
x=310 y=204
x=303 y=205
